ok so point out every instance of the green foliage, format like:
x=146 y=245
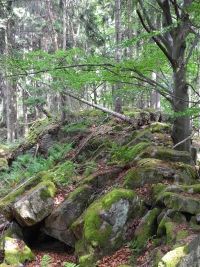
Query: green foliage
x=124 y=153
x=69 y=264
x=27 y=166
x=90 y=167
x=80 y=126
x=133 y=244
x=58 y=152
x=64 y=172
x=46 y=261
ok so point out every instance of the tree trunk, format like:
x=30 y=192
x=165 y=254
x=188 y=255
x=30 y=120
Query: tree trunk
x=64 y=24
x=52 y=25
x=173 y=45
x=155 y=96
x=116 y=96
x=25 y=117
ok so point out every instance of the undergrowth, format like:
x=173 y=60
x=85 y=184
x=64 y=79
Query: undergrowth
x=27 y=166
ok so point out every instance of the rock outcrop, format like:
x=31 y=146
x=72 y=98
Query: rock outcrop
x=135 y=181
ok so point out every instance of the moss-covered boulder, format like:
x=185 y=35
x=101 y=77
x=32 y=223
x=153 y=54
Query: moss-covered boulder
x=173 y=257
x=59 y=222
x=166 y=154
x=192 y=257
x=35 y=205
x=101 y=230
x=153 y=171
x=179 y=203
x=147 y=227
x=6 y=203
x=16 y=251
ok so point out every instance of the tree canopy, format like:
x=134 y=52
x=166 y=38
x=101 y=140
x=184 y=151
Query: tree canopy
x=139 y=52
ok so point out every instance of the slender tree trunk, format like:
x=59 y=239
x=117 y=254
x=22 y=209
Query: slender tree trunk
x=25 y=116
x=155 y=96
x=64 y=24
x=116 y=96
x=48 y=4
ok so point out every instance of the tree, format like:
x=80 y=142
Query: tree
x=173 y=43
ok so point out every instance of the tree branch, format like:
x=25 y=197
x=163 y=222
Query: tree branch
x=196 y=39
x=157 y=41
x=183 y=141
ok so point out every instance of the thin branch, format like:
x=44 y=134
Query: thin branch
x=150 y=4
x=157 y=41
x=183 y=141
x=196 y=39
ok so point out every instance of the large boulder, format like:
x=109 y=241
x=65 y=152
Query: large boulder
x=102 y=228
x=16 y=251
x=35 y=205
x=153 y=171
x=31 y=195
x=166 y=154
x=180 y=203
x=59 y=222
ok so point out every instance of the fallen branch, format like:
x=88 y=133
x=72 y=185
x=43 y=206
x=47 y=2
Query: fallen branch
x=116 y=114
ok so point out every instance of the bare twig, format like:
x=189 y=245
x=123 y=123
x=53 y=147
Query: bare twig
x=183 y=141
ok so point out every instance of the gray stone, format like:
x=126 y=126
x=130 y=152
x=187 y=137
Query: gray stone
x=58 y=224
x=33 y=208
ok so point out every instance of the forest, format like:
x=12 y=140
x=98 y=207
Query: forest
x=112 y=53
x=91 y=90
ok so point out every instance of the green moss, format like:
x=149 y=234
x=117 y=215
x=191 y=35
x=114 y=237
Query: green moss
x=11 y=197
x=87 y=260
x=159 y=127
x=77 y=191
x=115 y=195
x=93 y=233
x=42 y=176
x=156 y=191
x=187 y=168
x=138 y=177
x=79 y=247
x=147 y=228
x=180 y=203
x=170 y=226
x=161 y=230
x=36 y=129
x=16 y=255
x=181 y=235
x=172 y=258
x=92 y=224
x=49 y=192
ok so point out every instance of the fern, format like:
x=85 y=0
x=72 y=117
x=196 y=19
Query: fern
x=69 y=264
x=46 y=261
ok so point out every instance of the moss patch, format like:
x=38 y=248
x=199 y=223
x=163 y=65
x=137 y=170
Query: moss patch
x=158 y=127
x=147 y=228
x=15 y=254
x=170 y=226
x=172 y=258
x=95 y=232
